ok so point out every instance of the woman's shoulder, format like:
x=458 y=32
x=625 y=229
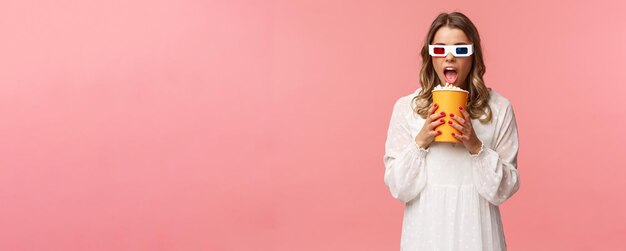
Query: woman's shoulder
x=497 y=100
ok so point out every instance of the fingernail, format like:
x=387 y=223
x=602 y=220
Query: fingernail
x=453 y=134
x=460 y=107
x=443 y=113
x=442 y=121
x=436 y=105
x=451 y=114
x=450 y=122
x=439 y=132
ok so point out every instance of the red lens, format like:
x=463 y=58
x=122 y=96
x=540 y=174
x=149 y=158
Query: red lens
x=439 y=50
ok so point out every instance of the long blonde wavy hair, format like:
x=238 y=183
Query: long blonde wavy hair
x=478 y=99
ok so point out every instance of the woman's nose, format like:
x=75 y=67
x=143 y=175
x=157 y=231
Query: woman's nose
x=450 y=57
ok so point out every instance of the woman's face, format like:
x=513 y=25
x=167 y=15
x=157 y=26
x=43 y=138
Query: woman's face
x=460 y=65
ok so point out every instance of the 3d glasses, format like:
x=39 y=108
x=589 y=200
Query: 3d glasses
x=462 y=50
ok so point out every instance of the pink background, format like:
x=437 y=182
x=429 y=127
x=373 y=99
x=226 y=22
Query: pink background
x=260 y=125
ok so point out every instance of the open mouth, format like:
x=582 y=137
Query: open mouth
x=450 y=74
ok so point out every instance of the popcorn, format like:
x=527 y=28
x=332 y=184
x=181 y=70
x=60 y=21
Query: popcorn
x=449 y=87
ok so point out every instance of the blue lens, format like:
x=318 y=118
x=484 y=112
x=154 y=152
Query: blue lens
x=461 y=50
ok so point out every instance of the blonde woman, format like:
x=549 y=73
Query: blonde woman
x=452 y=191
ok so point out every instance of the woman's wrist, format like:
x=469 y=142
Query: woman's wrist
x=420 y=144
x=476 y=148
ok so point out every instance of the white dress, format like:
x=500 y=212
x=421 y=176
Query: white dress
x=451 y=197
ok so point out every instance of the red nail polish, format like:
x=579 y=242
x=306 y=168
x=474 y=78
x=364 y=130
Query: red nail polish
x=435 y=105
x=460 y=107
x=439 y=132
x=450 y=122
x=451 y=114
x=453 y=134
x=443 y=113
x=442 y=121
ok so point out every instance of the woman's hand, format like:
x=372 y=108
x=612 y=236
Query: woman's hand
x=428 y=132
x=468 y=137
